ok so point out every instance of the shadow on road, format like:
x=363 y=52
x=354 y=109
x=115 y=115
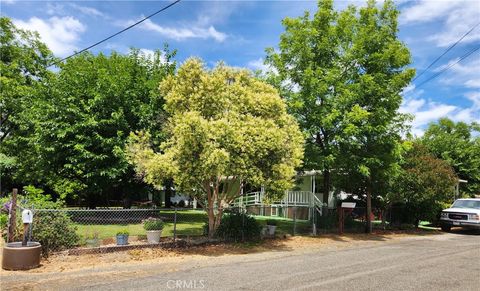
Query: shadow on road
x=461 y=231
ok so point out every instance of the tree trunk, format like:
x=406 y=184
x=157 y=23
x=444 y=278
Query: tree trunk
x=368 y=227
x=168 y=192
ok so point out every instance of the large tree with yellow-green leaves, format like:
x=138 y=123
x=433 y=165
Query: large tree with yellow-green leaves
x=225 y=128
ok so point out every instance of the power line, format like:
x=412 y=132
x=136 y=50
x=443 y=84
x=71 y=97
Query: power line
x=113 y=35
x=448 y=49
x=448 y=67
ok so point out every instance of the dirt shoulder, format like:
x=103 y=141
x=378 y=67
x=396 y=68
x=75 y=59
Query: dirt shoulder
x=63 y=263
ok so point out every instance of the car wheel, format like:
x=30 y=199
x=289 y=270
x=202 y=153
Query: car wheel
x=446 y=228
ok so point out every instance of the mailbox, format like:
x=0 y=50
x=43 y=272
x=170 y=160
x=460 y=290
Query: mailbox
x=27 y=216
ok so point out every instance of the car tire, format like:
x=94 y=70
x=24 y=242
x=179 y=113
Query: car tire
x=446 y=228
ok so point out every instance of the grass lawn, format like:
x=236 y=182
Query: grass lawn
x=110 y=230
x=189 y=223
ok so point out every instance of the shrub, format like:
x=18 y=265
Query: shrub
x=152 y=223
x=123 y=232
x=272 y=222
x=54 y=230
x=238 y=227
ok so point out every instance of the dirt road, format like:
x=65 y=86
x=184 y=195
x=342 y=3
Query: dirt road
x=436 y=262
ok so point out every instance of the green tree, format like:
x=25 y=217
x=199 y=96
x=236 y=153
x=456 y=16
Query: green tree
x=81 y=121
x=348 y=69
x=457 y=144
x=24 y=59
x=225 y=128
x=425 y=184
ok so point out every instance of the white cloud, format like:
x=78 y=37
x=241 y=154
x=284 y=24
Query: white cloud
x=258 y=64
x=88 y=10
x=8 y=1
x=183 y=33
x=61 y=34
x=472 y=83
x=466 y=73
x=475 y=98
x=457 y=18
x=425 y=11
x=426 y=111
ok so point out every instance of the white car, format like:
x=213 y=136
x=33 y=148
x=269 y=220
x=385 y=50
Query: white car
x=463 y=213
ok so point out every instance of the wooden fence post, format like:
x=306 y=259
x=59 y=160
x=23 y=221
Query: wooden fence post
x=12 y=217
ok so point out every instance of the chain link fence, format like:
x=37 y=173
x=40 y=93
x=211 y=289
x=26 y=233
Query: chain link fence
x=64 y=229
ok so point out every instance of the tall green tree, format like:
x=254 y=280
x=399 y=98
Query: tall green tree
x=82 y=120
x=348 y=69
x=225 y=128
x=458 y=143
x=23 y=66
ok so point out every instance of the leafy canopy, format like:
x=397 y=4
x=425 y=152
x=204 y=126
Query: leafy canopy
x=425 y=184
x=222 y=123
x=342 y=74
x=82 y=118
x=24 y=59
x=459 y=145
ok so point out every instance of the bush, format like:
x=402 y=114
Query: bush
x=54 y=230
x=123 y=232
x=238 y=227
x=152 y=223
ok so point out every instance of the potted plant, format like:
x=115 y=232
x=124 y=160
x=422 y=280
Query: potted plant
x=92 y=240
x=154 y=227
x=271 y=226
x=122 y=238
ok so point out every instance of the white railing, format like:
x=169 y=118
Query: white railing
x=300 y=198
x=253 y=198
x=291 y=198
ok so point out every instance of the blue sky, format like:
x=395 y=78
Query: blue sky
x=238 y=32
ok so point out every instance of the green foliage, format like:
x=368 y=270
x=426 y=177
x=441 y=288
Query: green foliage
x=123 y=232
x=342 y=74
x=35 y=197
x=457 y=144
x=3 y=222
x=152 y=223
x=425 y=185
x=23 y=67
x=54 y=230
x=82 y=117
x=238 y=227
x=224 y=127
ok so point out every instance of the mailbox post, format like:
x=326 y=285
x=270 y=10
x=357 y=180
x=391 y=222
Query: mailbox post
x=341 y=215
x=27 y=218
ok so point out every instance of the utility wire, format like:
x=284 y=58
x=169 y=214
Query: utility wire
x=448 y=67
x=448 y=49
x=113 y=35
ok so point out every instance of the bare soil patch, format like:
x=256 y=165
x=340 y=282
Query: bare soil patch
x=62 y=262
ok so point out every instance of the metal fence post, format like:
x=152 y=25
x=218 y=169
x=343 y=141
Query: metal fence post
x=175 y=225
x=294 y=220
